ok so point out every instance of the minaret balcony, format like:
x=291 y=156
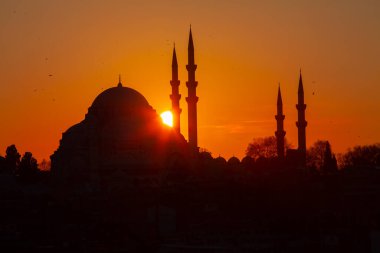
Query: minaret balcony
x=174 y=82
x=175 y=96
x=301 y=106
x=191 y=84
x=191 y=67
x=192 y=99
x=280 y=117
x=301 y=124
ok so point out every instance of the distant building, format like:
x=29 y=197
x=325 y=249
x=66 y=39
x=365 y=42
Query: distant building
x=295 y=157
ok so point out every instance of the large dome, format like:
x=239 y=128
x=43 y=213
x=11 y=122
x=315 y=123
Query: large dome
x=120 y=97
x=119 y=101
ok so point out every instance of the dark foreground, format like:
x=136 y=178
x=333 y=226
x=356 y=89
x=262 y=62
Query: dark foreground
x=286 y=211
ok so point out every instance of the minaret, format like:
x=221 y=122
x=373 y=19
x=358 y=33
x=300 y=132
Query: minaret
x=280 y=133
x=301 y=123
x=192 y=98
x=175 y=96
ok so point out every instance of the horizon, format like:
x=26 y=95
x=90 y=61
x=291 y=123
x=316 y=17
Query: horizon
x=59 y=56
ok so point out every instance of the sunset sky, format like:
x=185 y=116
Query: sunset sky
x=58 y=55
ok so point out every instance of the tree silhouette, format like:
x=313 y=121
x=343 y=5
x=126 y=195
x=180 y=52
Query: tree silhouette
x=318 y=153
x=44 y=165
x=12 y=159
x=362 y=157
x=2 y=164
x=329 y=164
x=265 y=147
x=28 y=165
x=205 y=153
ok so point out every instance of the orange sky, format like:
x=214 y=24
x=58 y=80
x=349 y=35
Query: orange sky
x=242 y=48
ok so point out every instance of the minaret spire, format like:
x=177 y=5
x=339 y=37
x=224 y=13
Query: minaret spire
x=175 y=96
x=300 y=87
x=192 y=98
x=279 y=98
x=191 y=47
x=301 y=123
x=280 y=133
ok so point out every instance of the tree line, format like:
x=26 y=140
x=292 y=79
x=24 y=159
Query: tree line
x=25 y=166
x=260 y=151
x=320 y=156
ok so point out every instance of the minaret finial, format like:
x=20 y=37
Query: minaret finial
x=300 y=84
x=191 y=44
x=119 y=84
x=279 y=98
x=174 y=60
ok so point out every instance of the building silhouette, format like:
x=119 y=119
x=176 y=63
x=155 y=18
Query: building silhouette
x=294 y=156
x=120 y=137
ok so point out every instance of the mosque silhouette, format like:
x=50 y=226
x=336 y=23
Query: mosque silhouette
x=122 y=136
x=121 y=181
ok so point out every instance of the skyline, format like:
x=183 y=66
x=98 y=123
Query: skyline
x=49 y=89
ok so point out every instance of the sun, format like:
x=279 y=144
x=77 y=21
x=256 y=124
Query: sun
x=167 y=118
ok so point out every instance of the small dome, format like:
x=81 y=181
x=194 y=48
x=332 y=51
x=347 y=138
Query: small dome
x=247 y=161
x=220 y=160
x=233 y=161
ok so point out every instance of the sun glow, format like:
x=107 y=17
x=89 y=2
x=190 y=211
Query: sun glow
x=167 y=118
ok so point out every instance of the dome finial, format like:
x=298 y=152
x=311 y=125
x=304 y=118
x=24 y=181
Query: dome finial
x=119 y=84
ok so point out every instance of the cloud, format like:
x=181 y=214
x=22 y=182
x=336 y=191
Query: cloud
x=240 y=127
